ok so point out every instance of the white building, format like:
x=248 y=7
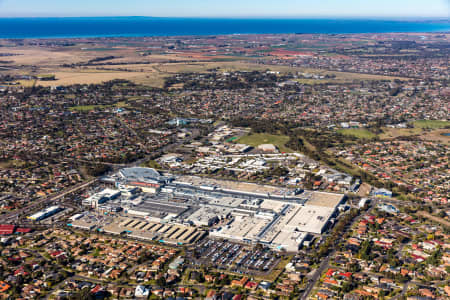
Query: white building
x=363 y=202
x=45 y=213
x=268 y=148
x=101 y=197
x=141 y=291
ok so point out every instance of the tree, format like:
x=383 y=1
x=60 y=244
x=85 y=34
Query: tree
x=347 y=286
x=365 y=250
x=435 y=257
x=161 y=281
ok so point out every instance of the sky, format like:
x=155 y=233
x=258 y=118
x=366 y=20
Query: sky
x=226 y=8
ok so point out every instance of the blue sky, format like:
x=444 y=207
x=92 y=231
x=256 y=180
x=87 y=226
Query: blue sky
x=226 y=8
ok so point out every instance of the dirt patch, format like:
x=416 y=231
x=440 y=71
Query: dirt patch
x=364 y=190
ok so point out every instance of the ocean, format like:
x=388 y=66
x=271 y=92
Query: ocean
x=18 y=28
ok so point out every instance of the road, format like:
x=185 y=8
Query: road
x=315 y=278
x=200 y=287
x=404 y=290
x=435 y=219
x=28 y=209
x=325 y=263
x=13 y=216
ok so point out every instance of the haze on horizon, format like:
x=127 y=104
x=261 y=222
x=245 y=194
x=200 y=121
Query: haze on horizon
x=230 y=8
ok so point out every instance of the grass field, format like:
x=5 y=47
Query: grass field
x=431 y=124
x=11 y=164
x=389 y=133
x=92 y=107
x=357 y=132
x=264 y=138
x=436 y=135
x=151 y=164
x=426 y=134
x=87 y=107
x=102 y=49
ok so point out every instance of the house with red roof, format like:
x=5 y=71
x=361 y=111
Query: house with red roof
x=346 y=275
x=330 y=272
x=331 y=281
x=6 y=229
x=251 y=285
x=20 y=272
x=23 y=230
x=96 y=289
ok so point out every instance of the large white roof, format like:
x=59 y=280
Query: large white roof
x=138 y=173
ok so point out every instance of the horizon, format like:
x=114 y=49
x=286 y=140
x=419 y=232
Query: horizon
x=378 y=18
x=230 y=9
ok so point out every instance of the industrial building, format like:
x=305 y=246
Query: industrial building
x=209 y=215
x=7 y=229
x=173 y=208
x=146 y=230
x=382 y=193
x=138 y=228
x=45 y=213
x=284 y=228
x=105 y=195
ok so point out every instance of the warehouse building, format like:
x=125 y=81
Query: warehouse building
x=278 y=217
x=209 y=215
x=142 y=229
x=105 y=195
x=282 y=226
x=7 y=229
x=43 y=214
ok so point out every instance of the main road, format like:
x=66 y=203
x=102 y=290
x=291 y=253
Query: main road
x=52 y=198
x=326 y=261
x=312 y=282
x=12 y=216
